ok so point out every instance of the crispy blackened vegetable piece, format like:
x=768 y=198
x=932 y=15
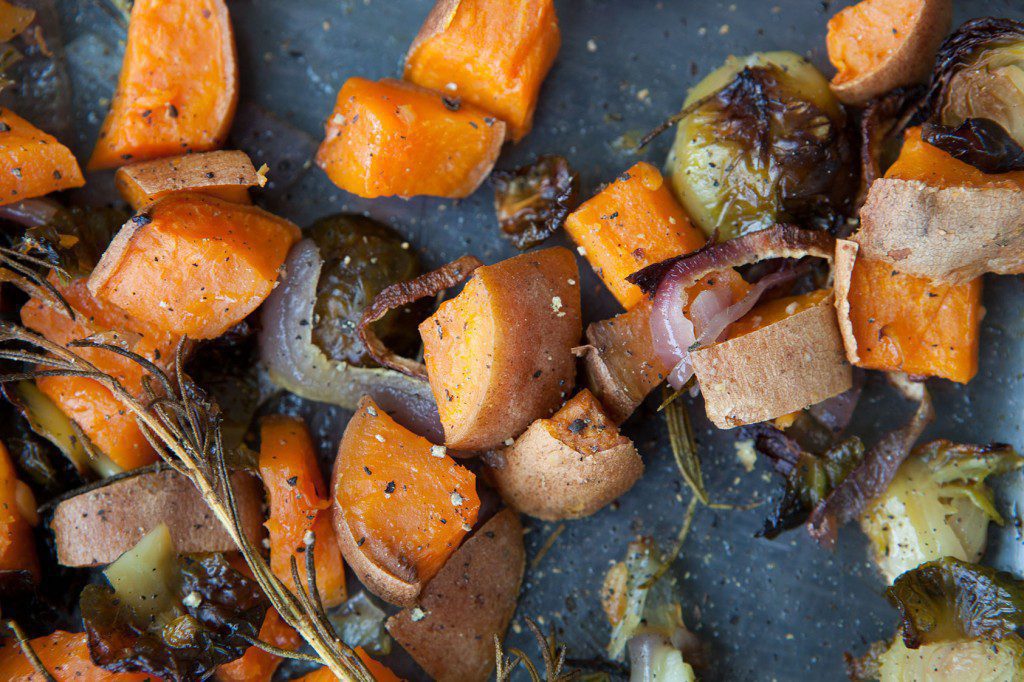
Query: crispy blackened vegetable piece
x=869 y=478
x=533 y=201
x=218 y=605
x=74 y=239
x=976 y=75
x=981 y=142
x=361 y=258
x=949 y=599
x=881 y=133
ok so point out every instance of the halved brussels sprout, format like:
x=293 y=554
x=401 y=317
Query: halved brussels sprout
x=979 y=73
x=937 y=505
x=762 y=140
x=361 y=257
x=975 y=660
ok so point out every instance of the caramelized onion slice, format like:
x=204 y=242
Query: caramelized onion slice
x=402 y=294
x=296 y=364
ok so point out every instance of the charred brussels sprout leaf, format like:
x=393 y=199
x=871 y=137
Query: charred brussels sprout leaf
x=215 y=605
x=768 y=145
x=361 y=257
x=950 y=600
x=981 y=142
x=75 y=238
x=810 y=478
x=533 y=201
x=882 y=125
x=979 y=73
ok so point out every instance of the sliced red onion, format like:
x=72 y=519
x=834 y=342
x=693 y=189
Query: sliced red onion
x=712 y=311
x=30 y=212
x=296 y=364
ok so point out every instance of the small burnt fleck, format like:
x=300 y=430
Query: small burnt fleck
x=577 y=425
x=293 y=481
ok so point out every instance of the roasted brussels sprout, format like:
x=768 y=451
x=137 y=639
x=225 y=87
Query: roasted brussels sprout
x=533 y=201
x=979 y=73
x=937 y=505
x=974 y=659
x=762 y=140
x=361 y=257
x=174 y=617
x=981 y=142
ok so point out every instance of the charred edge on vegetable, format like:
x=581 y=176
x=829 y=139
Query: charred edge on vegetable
x=533 y=201
x=981 y=142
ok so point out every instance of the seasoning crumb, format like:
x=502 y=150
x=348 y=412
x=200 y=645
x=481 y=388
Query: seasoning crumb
x=438 y=450
x=457 y=499
x=309 y=538
x=746 y=454
x=417 y=614
x=580 y=250
x=509 y=442
x=591 y=45
x=370 y=410
x=192 y=600
x=379 y=437
x=723 y=29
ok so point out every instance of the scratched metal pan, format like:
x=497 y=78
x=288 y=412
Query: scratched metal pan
x=770 y=610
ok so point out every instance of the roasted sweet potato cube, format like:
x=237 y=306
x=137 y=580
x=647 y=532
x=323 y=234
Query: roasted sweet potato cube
x=226 y=175
x=32 y=163
x=491 y=53
x=391 y=138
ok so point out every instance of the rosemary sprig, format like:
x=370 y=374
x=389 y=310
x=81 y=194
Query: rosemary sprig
x=684 y=447
x=28 y=651
x=552 y=656
x=184 y=427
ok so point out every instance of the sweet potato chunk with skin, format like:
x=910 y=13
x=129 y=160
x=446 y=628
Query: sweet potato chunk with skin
x=491 y=53
x=792 y=361
x=902 y=323
x=193 y=265
x=389 y=138
x=499 y=355
x=878 y=45
x=467 y=605
x=226 y=175
x=257 y=665
x=103 y=418
x=775 y=310
x=178 y=87
x=568 y=466
x=17 y=546
x=32 y=163
x=298 y=504
x=632 y=223
x=65 y=655
x=401 y=505
x=894 y=321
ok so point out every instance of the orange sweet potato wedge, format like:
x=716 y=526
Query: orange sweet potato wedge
x=491 y=53
x=632 y=223
x=896 y=322
x=178 y=87
x=568 y=466
x=878 y=45
x=101 y=416
x=14 y=19
x=32 y=163
x=401 y=505
x=17 y=513
x=226 y=175
x=389 y=138
x=256 y=664
x=193 y=265
x=299 y=505
x=499 y=355
x=65 y=655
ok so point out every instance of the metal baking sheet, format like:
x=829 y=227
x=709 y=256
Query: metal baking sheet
x=770 y=610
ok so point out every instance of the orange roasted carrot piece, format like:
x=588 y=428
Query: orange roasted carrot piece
x=632 y=223
x=101 y=416
x=32 y=163
x=406 y=504
x=390 y=138
x=178 y=87
x=299 y=503
x=65 y=655
x=17 y=514
x=380 y=672
x=914 y=324
x=257 y=665
x=193 y=265
x=491 y=53
x=226 y=175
